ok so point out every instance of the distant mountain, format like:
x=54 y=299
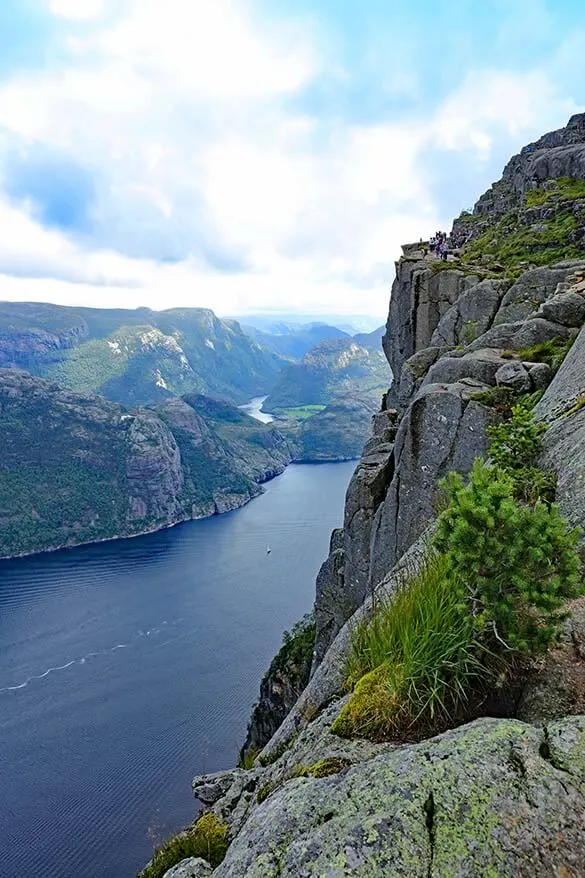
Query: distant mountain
x=293 y=341
x=337 y=432
x=371 y=340
x=136 y=357
x=76 y=468
x=325 y=403
x=271 y=320
x=340 y=367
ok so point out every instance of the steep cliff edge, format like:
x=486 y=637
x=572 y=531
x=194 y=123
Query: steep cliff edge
x=455 y=330
x=280 y=688
x=496 y=796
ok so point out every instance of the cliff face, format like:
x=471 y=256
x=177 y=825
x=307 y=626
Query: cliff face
x=284 y=681
x=553 y=156
x=43 y=340
x=450 y=334
x=492 y=796
x=76 y=468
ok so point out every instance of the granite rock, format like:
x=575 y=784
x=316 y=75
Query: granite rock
x=495 y=797
x=568 y=309
x=514 y=376
x=471 y=315
x=192 y=867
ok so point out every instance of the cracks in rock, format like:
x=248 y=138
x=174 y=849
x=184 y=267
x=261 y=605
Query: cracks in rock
x=545 y=752
x=415 y=286
x=378 y=487
x=397 y=499
x=500 y=298
x=429 y=812
x=518 y=766
x=446 y=464
x=382 y=481
x=516 y=762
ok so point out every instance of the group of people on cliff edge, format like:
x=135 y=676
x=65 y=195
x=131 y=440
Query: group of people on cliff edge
x=439 y=245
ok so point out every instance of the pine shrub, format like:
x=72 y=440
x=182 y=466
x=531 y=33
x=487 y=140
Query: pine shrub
x=517 y=564
x=515 y=446
x=504 y=562
x=516 y=443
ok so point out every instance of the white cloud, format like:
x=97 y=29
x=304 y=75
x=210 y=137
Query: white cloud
x=77 y=9
x=181 y=112
x=495 y=101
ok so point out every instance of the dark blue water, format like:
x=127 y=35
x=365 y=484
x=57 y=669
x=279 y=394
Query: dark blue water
x=128 y=667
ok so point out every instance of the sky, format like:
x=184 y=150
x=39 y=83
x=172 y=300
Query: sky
x=259 y=155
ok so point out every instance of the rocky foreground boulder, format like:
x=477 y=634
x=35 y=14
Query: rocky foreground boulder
x=496 y=797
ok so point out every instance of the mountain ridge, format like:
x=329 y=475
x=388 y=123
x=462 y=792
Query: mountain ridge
x=135 y=357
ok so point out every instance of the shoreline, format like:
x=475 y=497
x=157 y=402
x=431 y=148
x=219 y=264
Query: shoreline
x=152 y=530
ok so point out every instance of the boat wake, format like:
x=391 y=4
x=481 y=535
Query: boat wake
x=151 y=632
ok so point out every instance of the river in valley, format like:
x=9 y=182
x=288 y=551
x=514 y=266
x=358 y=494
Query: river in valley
x=130 y=666
x=254 y=409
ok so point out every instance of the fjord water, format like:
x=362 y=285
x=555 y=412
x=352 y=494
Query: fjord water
x=130 y=666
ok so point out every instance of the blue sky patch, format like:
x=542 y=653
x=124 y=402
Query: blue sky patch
x=60 y=191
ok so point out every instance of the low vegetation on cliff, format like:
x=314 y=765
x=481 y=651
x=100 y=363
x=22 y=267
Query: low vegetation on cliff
x=514 y=246
x=546 y=228
x=282 y=684
x=207 y=839
x=503 y=564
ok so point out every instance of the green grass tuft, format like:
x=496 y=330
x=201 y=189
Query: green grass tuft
x=324 y=768
x=413 y=662
x=499 y=398
x=566 y=189
x=207 y=839
x=248 y=758
x=515 y=246
x=551 y=352
x=265 y=791
x=503 y=399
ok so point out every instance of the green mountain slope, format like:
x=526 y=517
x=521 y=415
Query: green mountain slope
x=336 y=368
x=136 y=357
x=77 y=468
x=325 y=403
x=339 y=431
